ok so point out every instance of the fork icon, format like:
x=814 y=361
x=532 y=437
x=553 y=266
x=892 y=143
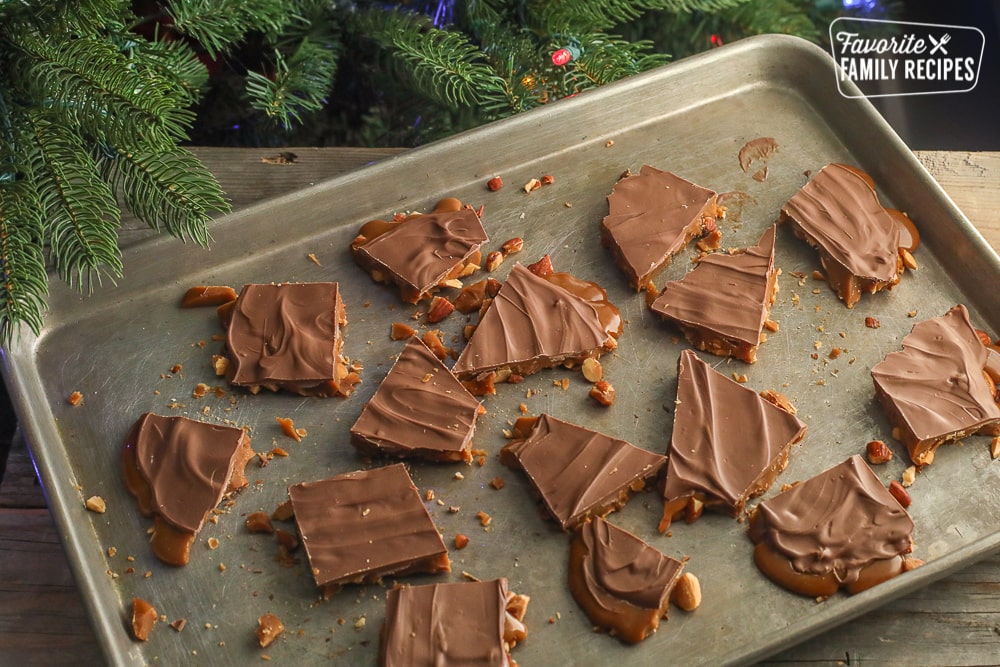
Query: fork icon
x=938 y=45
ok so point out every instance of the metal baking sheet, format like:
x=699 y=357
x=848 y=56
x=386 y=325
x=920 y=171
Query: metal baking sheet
x=118 y=348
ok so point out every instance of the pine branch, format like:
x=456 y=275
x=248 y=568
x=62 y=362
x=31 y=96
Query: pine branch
x=571 y=16
x=297 y=85
x=80 y=211
x=91 y=86
x=23 y=277
x=445 y=66
x=172 y=61
x=218 y=24
x=168 y=189
x=607 y=58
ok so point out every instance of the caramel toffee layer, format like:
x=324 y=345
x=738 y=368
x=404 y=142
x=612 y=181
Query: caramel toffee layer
x=937 y=388
x=360 y=526
x=721 y=305
x=728 y=445
x=621 y=582
x=420 y=409
x=652 y=216
x=419 y=251
x=538 y=322
x=288 y=337
x=838 y=213
x=841 y=528
x=179 y=469
x=577 y=472
x=440 y=625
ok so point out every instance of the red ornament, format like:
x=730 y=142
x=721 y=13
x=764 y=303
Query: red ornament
x=562 y=57
x=715 y=40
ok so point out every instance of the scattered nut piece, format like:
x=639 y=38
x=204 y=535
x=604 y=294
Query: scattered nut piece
x=533 y=184
x=603 y=393
x=213 y=543
x=96 y=504
x=178 y=624
x=872 y=322
x=687 y=592
x=909 y=475
x=269 y=627
x=908 y=260
x=288 y=428
x=440 y=309
x=511 y=246
x=75 y=398
x=900 y=493
x=548 y=179
x=497 y=483
x=494 y=184
x=144 y=617
x=878 y=452
x=494 y=260
x=592 y=370
x=461 y=541
x=484 y=518
x=542 y=267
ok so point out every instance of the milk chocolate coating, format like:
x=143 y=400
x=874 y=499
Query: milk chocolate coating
x=187 y=465
x=419 y=409
x=653 y=215
x=934 y=389
x=578 y=472
x=286 y=335
x=361 y=525
x=441 y=625
x=724 y=296
x=532 y=321
x=420 y=250
x=837 y=522
x=621 y=582
x=728 y=443
x=840 y=213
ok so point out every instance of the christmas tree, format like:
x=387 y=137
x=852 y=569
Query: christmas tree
x=99 y=97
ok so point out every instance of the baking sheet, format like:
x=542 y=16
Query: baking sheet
x=119 y=346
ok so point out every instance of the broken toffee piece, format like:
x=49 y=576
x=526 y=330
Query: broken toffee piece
x=729 y=443
x=179 y=470
x=940 y=387
x=423 y=251
x=419 y=410
x=622 y=583
x=539 y=319
x=460 y=624
x=576 y=472
x=722 y=304
x=361 y=526
x=839 y=529
x=287 y=337
x=652 y=216
x=838 y=213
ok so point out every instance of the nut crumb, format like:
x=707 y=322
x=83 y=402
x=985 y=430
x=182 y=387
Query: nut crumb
x=484 y=518
x=75 y=398
x=461 y=541
x=533 y=184
x=909 y=475
x=878 y=452
x=269 y=627
x=213 y=543
x=592 y=370
x=96 y=504
x=687 y=592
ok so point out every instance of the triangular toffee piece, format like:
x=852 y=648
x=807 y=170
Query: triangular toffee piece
x=419 y=410
x=722 y=304
x=729 y=443
x=841 y=528
x=939 y=388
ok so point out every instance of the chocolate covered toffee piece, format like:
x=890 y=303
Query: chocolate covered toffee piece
x=576 y=472
x=179 y=470
x=454 y=624
x=839 y=529
x=652 y=216
x=622 y=583
x=361 y=526
x=861 y=244
x=419 y=410
x=287 y=337
x=729 y=443
x=423 y=251
x=722 y=304
x=540 y=318
x=940 y=387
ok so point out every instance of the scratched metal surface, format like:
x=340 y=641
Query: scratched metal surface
x=118 y=347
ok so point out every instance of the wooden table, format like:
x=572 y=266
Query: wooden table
x=955 y=621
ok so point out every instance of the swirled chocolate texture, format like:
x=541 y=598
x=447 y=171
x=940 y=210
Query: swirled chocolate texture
x=838 y=213
x=539 y=322
x=418 y=252
x=841 y=528
x=288 y=337
x=728 y=444
x=360 y=526
x=179 y=469
x=937 y=388
x=622 y=583
x=579 y=473
x=462 y=624
x=419 y=410
x=652 y=216
x=721 y=304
